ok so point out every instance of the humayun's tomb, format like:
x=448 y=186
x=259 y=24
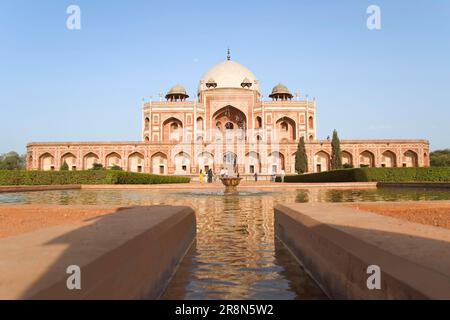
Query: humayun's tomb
x=228 y=124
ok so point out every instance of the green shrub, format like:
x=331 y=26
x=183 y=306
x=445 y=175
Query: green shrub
x=64 y=167
x=97 y=166
x=116 y=167
x=22 y=177
x=431 y=174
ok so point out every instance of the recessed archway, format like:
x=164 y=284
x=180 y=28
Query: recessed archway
x=410 y=159
x=275 y=162
x=172 y=130
x=89 y=160
x=230 y=162
x=231 y=116
x=46 y=162
x=182 y=163
x=252 y=162
x=136 y=162
x=388 y=159
x=286 y=129
x=113 y=160
x=205 y=161
x=159 y=163
x=366 y=159
x=70 y=159
x=347 y=159
x=321 y=161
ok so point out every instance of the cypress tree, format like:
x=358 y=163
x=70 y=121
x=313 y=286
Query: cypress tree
x=301 y=160
x=64 y=167
x=336 y=154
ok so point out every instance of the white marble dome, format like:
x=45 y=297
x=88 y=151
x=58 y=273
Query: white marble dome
x=229 y=74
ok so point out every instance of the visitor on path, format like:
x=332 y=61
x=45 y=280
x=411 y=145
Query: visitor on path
x=226 y=173
x=256 y=177
x=222 y=173
x=282 y=175
x=201 y=176
x=210 y=176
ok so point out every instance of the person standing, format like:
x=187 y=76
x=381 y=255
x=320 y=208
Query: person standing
x=256 y=177
x=282 y=175
x=226 y=173
x=210 y=176
x=201 y=176
x=222 y=173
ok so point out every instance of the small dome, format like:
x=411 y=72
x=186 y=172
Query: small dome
x=177 y=89
x=280 y=90
x=177 y=92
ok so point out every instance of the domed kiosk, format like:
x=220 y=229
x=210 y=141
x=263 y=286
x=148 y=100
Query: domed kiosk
x=280 y=92
x=177 y=93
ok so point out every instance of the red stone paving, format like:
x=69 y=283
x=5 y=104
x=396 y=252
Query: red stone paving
x=430 y=213
x=18 y=219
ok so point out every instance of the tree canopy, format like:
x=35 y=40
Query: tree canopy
x=301 y=159
x=440 y=158
x=12 y=161
x=336 y=154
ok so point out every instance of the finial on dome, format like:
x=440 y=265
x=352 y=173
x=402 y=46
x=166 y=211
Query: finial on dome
x=228 y=54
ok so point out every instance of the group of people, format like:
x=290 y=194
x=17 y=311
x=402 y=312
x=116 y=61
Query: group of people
x=225 y=174
x=209 y=176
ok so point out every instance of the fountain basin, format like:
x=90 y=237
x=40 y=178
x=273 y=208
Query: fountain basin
x=231 y=183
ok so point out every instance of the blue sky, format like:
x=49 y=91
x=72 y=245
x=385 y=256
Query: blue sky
x=86 y=85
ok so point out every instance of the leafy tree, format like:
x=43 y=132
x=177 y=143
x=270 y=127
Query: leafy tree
x=440 y=158
x=301 y=159
x=336 y=154
x=12 y=161
x=64 y=166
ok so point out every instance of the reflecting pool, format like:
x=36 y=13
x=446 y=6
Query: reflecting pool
x=236 y=255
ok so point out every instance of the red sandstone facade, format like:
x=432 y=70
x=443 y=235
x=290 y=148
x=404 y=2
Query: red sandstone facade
x=228 y=124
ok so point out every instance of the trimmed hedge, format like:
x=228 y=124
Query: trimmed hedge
x=428 y=174
x=22 y=177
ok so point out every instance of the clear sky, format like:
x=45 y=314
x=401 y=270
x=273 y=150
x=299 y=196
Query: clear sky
x=86 y=85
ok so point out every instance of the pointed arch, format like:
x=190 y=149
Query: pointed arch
x=366 y=159
x=252 y=162
x=172 y=130
x=46 y=162
x=89 y=160
x=182 y=163
x=136 y=162
x=205 y=161
x=286 y=128
x=321 y=161
x=388 y=159
x=159 y=163
x=113 y=159
x=276 y=162
x=70 y=159
x=347 y=159
x=410 y=159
